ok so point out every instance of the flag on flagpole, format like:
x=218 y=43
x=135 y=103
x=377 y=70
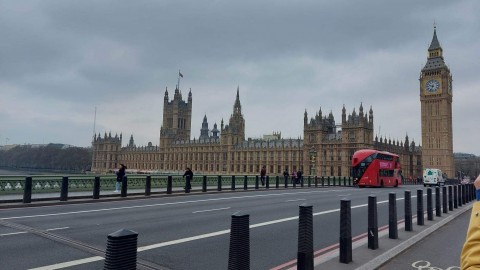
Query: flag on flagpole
x=180 y=74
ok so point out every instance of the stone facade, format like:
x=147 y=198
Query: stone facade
x=436 y=110
x=326 y=149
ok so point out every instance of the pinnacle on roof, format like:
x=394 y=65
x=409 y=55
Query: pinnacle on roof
x=435 y=44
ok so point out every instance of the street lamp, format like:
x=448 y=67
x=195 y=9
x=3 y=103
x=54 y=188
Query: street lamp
x=313 y=155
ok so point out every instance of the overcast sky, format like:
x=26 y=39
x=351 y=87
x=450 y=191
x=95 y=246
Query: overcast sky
x=61 y=59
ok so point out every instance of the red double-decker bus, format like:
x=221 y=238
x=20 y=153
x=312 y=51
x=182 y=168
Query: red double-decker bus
x=376 y=168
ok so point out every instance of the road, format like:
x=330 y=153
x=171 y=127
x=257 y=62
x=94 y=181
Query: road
x=188 y=231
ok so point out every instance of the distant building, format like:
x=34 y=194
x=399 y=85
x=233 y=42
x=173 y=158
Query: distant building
x=226 y=151
x=325 y=150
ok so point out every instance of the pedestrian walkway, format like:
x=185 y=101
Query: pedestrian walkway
x=441 y=250
x=425 y=244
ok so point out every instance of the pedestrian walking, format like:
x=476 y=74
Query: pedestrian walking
x=286 y=174
x=120 y=175
x=299 y=177
x=263 y=172
x=294 y=177
x=188 y=175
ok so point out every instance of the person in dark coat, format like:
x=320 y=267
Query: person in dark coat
x=120 y=175
x=263 y=172
x=299 y=177
x=189 y=174
x=286 y=175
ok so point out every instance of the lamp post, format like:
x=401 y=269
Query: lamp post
x=313 y=156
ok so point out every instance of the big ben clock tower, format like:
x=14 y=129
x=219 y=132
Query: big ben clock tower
x=436 y=110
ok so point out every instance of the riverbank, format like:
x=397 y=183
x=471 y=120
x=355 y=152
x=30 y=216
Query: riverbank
x=13 y=171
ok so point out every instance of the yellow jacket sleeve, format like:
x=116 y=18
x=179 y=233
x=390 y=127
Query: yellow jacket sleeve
x=470 y=257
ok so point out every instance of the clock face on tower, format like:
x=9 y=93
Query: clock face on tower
x=432 y=86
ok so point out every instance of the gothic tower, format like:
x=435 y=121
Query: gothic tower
x=235 y=130
x=177 y=115
x=436 y=111
x=106 y=152
x=204 y=130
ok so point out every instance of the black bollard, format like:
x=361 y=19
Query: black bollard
x=64 y=189
x=256 y=181
x=309 y=181
x=392 y=216
x=344 y=181
x=328 y=180
x=245 y=182
x=267 y=185
x=323 y=181
x=450 y=198
x=96 y=187
x=438 y=209
x=27 y=192
x=148 y=185
x=372 y=223
x=286 y=181
x=455 y=199
x=204 y=183
x=169 y=184
x=277 y=181
x=219 y=183
x=124 y=186
x=464 y=198
x=444 y=199
x=188 y=184
x=460 y=199
x=334 y=181
x=467 y=193
x=408 y=211
x=420 y=217
x=429 y=204
x=121 y=252
x=345 y=231
x=239 y=252
x=316 y=181
x=301 y=181
x=233 y=182
x=305 y=238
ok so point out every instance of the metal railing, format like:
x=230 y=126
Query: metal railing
x=11 y=185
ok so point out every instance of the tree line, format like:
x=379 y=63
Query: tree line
x=51 y=157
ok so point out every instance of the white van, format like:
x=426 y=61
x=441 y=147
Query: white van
x=433 y=177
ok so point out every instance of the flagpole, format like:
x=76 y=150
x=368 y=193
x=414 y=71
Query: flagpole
x=179 y=80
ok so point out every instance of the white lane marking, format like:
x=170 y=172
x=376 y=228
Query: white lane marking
x=164 y=204
x=295 y=200
x=13 y=233
x=344 y=195
x=54 y=229
x=68 y=264
x=202 y=236
x=209 y=210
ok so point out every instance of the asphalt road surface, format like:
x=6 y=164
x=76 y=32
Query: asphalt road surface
x=184 y=232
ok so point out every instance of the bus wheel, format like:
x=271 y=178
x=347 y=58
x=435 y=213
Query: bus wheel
x=396 y=183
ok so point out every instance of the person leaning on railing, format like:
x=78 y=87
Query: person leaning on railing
x=470 y=257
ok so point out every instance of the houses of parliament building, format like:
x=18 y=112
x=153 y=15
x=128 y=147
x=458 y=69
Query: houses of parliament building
x=325 y=150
